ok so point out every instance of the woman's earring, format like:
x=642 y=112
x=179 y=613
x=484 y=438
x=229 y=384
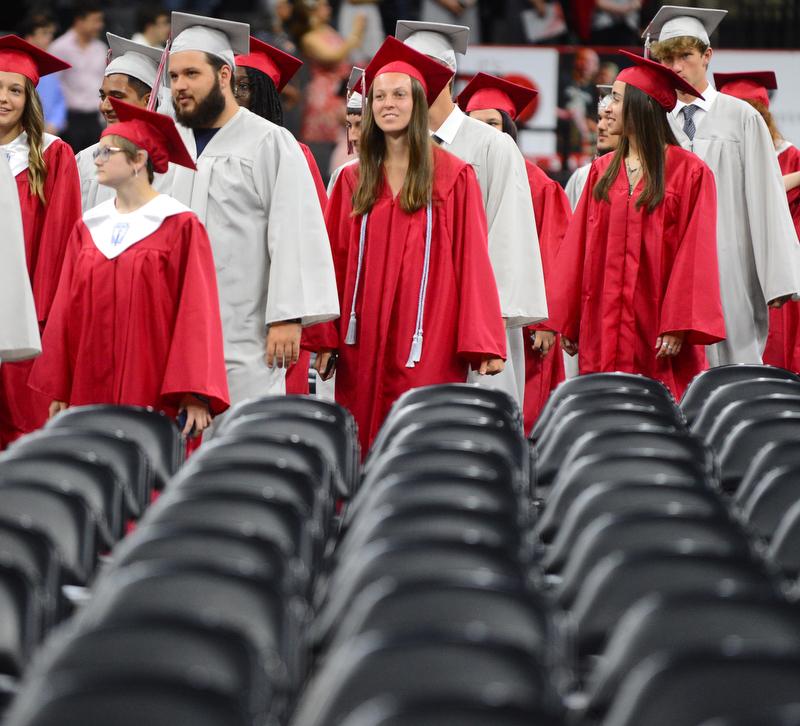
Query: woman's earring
x=136 y=171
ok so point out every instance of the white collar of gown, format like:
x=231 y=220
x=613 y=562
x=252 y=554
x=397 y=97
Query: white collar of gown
x=113 y=233
x=17 y=151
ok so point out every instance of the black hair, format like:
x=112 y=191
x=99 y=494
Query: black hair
x=140 y=87
x=86 y=7
x=33 y=21
x=148 y=15
x=509 y=127
x=264 y=100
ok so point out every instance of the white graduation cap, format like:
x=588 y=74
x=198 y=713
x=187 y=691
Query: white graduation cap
x=355 y=91
x=673 y=21
x=133 y=59
x=437 y=40
x=221 y=38
x=605 y=97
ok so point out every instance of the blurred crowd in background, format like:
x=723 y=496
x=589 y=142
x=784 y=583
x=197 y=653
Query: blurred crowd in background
x=331 y=36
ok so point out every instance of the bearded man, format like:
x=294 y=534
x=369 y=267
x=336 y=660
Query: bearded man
x=254 y=192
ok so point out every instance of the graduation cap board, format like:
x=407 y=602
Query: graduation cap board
x=133 y=59
x=279 y=66
x=395 y=57
x=355 y=91
x=437 y=40
x=224 y=39
x=485 y=91
x=657 y=81
x=749 y=86
x=673 y=21
x=151 y=131
x=19 y=56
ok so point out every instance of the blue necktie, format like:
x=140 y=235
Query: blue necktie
x=688 y=125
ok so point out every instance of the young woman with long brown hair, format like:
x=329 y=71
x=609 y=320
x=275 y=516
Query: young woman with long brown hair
x=409 y=240
x=635 y=283
x=50 y=200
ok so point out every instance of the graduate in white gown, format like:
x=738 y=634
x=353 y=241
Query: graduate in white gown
x=129 y=77
x=759 y=258
x=500 y=168
x=254 y=192
x=19 y=329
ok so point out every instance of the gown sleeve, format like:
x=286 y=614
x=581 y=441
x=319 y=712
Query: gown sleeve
x=318 y=183
x=196 y=359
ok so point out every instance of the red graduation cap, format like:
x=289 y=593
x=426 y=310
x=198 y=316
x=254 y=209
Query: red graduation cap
x=749 y=86
x=396 y=57
x=279 y=66
x=485 y=91
x=657 y=81
x=19 y=56
x=151 y=131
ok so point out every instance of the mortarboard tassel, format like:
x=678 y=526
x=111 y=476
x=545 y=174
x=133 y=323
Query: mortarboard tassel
x=350 y=339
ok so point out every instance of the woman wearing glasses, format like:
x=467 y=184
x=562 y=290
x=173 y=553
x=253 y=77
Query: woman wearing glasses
x=136 y=318
x=50 y=200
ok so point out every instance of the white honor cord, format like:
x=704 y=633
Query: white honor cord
x=416 y=341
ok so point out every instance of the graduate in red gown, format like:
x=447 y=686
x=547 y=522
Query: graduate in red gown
x=783 y=341
x=136 y=317
x=50 y=201
x=635 y=282
x=259 y=78
x=498 y=102
x=409 y=238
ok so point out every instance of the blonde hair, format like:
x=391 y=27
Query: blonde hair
x=419 y=178
x=673 y=46
x=33 y=123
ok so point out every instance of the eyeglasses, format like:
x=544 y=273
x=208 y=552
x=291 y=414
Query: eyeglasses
x=241 y=89
x=104 y=152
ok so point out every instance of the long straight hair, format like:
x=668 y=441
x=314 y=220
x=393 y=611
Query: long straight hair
x=419 y=178
x=33 y=123
x=644 y=119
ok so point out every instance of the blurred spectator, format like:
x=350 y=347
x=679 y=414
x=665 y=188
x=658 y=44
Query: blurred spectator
x=607 y=74
x=453 y=12
x=152 y=22
x=616 y=22
x=38 y=28
x=577 y=104
x=81 y=48
x=327 y=53
x=374 y=35
x=535 y=22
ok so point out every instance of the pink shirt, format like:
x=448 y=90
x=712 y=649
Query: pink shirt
x=80 y=83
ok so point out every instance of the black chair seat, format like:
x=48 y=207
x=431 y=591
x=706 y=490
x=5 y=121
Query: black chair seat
x=772 y=498
x=784 y=547
x=615 y=498
x=157 y=434
x=596 y=382
x=704 y=384
x=123 y=454
x=739 y=391
x=770 y=456
x=751 y=408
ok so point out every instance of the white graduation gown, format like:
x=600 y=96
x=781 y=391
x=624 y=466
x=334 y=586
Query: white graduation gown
x=254 y=192
x=93 y=193
x=19 y=329
x=759 y=258
x=575 y=185
x=513 y=241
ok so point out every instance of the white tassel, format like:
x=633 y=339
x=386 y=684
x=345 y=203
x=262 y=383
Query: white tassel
x=416 y=351
x=351 y=330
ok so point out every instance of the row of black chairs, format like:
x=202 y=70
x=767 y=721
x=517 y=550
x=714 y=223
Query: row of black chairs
x=431 y=612
x=204 y=606
x=674 y=614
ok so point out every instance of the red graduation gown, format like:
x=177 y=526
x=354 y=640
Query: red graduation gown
x=783 y=341
x=141 y=329
x=622 y=278
x=552 y=211
x=297 y=374
x=46 y=228
x=462 y=319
